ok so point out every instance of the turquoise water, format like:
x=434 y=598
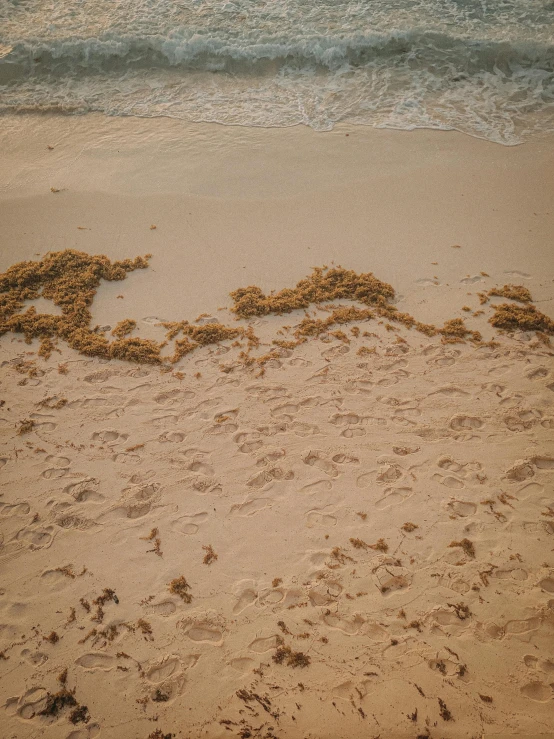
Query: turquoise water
x=485 y=68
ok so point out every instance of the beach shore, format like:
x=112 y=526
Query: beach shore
x=363 y=521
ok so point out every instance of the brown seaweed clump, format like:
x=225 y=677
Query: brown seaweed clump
x=69 y=279
x=179 y=586
x=509 y=317
x=196 y=336
x=124 y=328
x=342 y=315
x=321 y=286
x=455 y=331
x=56 y=702
x=512 y=292
x=285 y=655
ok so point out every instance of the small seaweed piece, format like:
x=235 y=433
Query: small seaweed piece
x=466 y=545
x=55 y=702
x=160 y=697
x=153 y=536
x=210 y=555
x=79 y=715
x=444 y=712
x=107 y=595
x=409 y=526
x=380 y=546
x=286 y=655
x=462 y=611
x=144 y=626
x=25 y=427
x=179 y=586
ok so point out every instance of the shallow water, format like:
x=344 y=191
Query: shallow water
x=485 y=68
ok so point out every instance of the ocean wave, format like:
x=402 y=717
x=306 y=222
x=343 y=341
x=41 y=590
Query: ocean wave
x=200 y=52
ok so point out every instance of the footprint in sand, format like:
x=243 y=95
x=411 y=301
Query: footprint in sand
x=242 y=664
x=389 y=473
x=462 y=508
x=315 y=458
x=246 y=596
x=189 y=524
x=96 y=661
x=34 y=658
x=171 y=436
x=37 y=537
x=365 y=480
x=108 y=435
x=345 y=459
x=264 y=644
x=251 y=507
x=449 y=481
x=165 y=608
x=163 y=670
x=510 y=573
x=16 y=509
x=537 y=373
x=265 y=477
x=352 y=433
x=543 y=462
x=319 y=487
x=537 y=691
x=534 y=663
x=172 y=397
x=520 y=471
x=393 y=496
x=547 y=584
x=349 y=626
x=344 y=419
x=54 y=473
x=248 y=442
x=317 y=518
x=466 y=423
x=204 y=632
x=85 y=490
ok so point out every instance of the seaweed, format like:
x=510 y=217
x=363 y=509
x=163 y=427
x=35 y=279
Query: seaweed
x=409 y=526
x=285 y=655
x=322 y=285
x=69 y=279
x=79 y=715
x=56 y=702
x=107 y=595
x=25 y=426
x=444 y=712
x=512 y=292
x=153 y=535
x=179 y=586
x=510 y=317
x=124 y=328
x=466 y=545
x=210 y=555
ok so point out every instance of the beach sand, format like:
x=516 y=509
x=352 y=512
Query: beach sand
x=364 y=521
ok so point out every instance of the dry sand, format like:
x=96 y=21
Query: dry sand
x=293 y=476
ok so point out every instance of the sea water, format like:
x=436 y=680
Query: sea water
x=484 y=67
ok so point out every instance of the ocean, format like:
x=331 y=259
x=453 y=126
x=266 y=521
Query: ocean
x=483 y=67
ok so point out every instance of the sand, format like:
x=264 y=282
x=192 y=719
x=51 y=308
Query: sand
x=352 y=538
